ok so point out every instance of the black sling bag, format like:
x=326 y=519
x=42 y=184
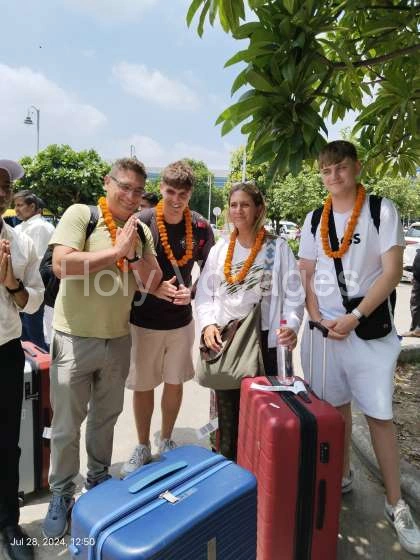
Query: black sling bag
x=379 y=322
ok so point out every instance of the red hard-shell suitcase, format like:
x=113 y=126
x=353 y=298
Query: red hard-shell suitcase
x=294 y=445
x=36 y=419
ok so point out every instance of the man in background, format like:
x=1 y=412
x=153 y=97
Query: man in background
x=148 y=200
x=415 y=299
x=28 y=208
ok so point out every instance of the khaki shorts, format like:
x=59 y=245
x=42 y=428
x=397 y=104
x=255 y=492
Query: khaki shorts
x=160 y=356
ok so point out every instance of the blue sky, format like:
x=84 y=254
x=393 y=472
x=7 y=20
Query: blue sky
x=107 y=74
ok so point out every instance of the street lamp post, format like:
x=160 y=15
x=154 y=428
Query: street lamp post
x=34 y=111
x=209 y=184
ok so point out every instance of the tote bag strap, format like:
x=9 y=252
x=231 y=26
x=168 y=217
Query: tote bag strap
x=267 y=275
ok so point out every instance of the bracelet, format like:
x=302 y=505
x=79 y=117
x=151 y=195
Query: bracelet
x=16 y=290
x=133 y=260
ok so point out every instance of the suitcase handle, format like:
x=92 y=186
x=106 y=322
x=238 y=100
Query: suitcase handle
x=317 y=325
x=158 y=475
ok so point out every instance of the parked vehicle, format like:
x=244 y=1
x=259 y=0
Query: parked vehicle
x=408 y=258
x=289 y=230
x=412 y=235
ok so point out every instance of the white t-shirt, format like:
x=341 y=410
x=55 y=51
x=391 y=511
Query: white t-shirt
x=39 y=230
x=218 y=302
x=361 y=263
x=238 y=299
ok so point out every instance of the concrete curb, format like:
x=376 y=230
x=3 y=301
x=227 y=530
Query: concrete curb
x=409 y=353
x=410 y=475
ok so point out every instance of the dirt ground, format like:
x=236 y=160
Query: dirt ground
x=407 y=411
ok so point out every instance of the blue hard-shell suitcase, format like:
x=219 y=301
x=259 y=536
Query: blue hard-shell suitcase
x=190 y=505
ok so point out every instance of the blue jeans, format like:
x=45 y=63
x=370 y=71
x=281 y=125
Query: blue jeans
x=33 y=328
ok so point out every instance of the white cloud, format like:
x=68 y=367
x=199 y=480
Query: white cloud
x=113 y=10
x=148 y=150
x=152 y=85
x=63 y=117
x=154 y=154
x=214 y=159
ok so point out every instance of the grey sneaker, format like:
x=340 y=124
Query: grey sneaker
x=89 y=484
x=347 y=483
x=407 y=531
x=141 y=455
x=166 y=445
x=56 y=521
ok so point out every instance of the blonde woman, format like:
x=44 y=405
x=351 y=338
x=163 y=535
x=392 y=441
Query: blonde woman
x=230 y=286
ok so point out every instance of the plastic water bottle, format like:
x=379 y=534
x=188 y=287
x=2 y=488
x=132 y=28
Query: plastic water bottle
x=287 y=376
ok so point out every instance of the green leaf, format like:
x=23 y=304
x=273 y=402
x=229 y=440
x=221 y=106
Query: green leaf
x=289 y=5
x=289 y=70
x=254 y=4
x=192 y=10
x=214 y=7
x=240 y=80
x=246 y=29
x=260 y=82
x=203 y=15
x=240 y=56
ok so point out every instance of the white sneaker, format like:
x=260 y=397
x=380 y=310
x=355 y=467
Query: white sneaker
x=141 y=455
x=407 y=531
x=166 y=445
x=347 y=483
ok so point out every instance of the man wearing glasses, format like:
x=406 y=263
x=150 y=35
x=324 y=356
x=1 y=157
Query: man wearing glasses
x=90 y=346
x=21 y=289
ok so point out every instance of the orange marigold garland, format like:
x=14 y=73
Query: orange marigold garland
x=227 y=269
x=112 y=227
x=351 y=226
x=163 y=234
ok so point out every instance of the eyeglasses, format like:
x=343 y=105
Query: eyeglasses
x=126 y=188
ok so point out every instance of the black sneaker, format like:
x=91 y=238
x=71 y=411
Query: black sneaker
x=89 y=484
x=18 y=543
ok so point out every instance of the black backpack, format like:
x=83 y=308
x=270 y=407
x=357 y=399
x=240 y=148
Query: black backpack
x=51 y=282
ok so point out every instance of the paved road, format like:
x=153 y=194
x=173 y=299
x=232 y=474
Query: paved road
x=364 y=531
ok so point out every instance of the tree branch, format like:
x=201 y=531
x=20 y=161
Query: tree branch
x=370 y=61
x=386 y=8
x=322 y=84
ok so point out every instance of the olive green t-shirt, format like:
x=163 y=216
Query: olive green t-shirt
x=98 y=304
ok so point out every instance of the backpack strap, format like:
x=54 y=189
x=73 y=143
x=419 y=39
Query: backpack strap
x=93 y=220
x=316 y=218
x=375 y=209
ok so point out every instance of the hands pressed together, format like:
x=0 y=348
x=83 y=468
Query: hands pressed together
x=127 y=238
x=7 y=277
x=169 y=292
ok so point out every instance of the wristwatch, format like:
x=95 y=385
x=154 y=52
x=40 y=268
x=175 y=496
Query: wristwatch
x=133 y=260
x=359 y=316
x=18 y=289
